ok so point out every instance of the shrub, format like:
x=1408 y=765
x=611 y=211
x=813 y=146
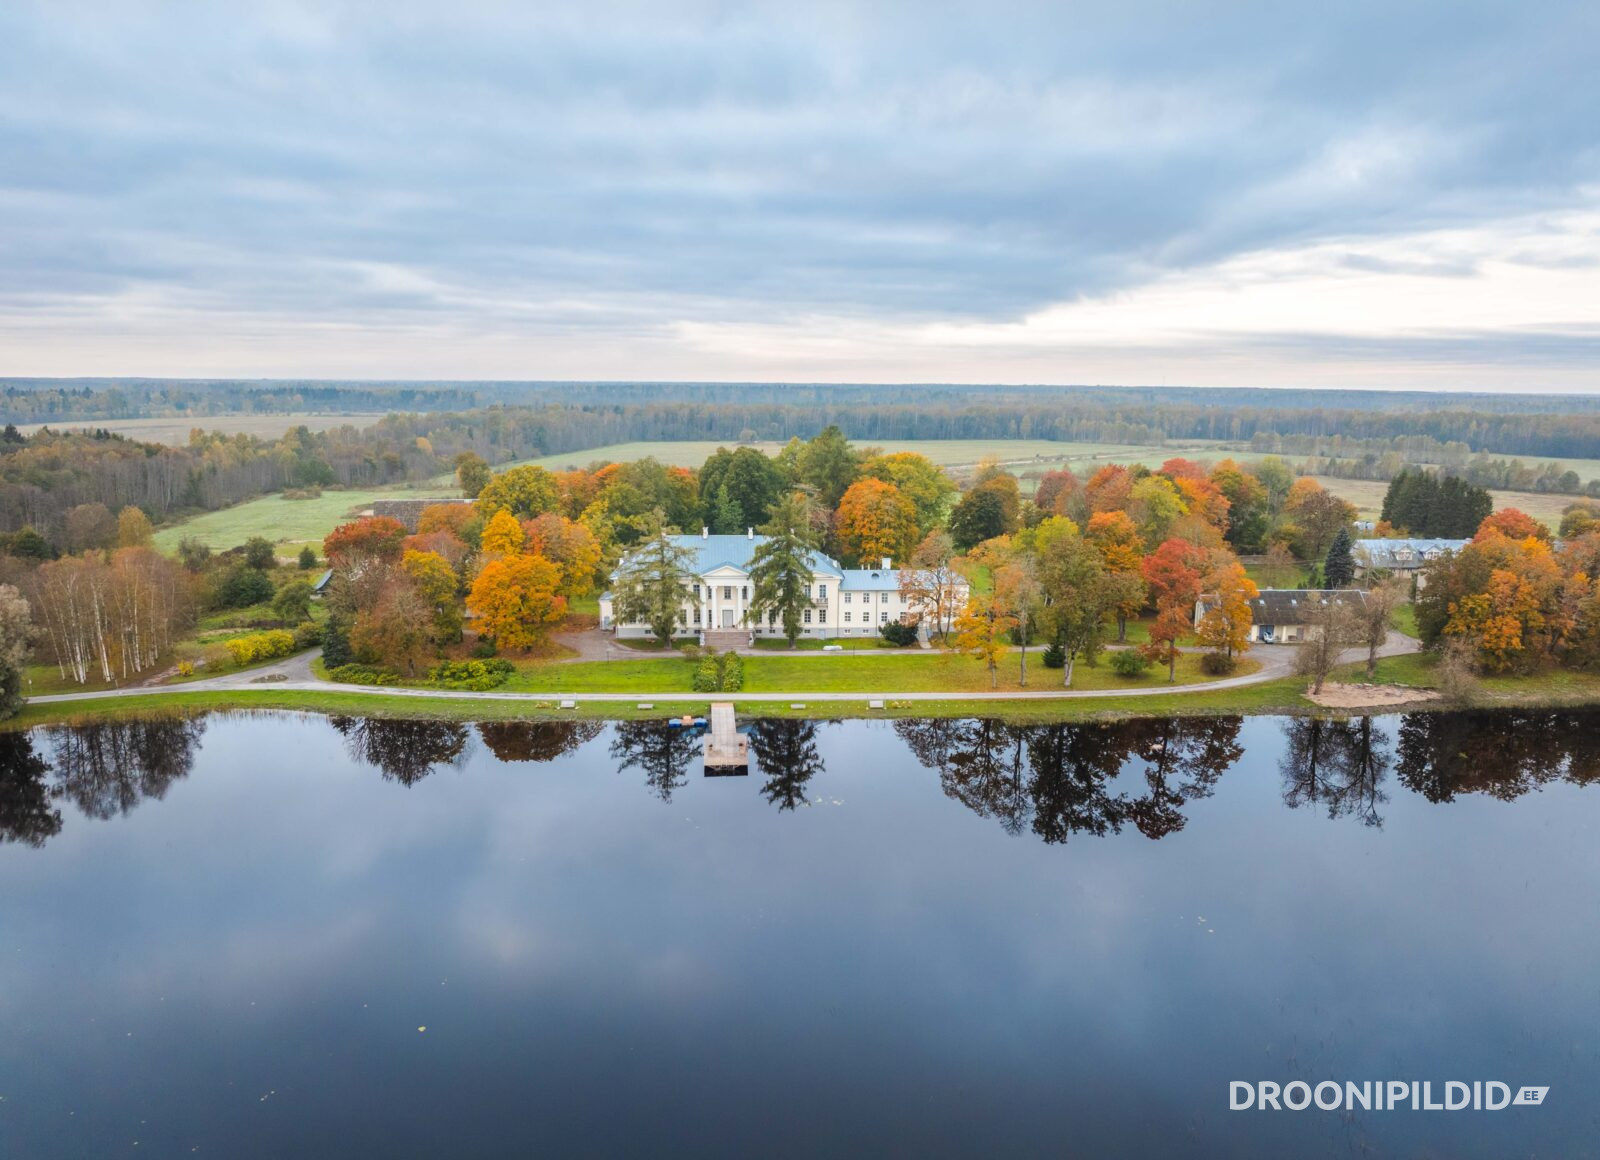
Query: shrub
x=186 y=668
x=1217 y=664
x=259 y=553
x=708 y=674
x=1456 y=674
x=293 y=601
x=485 y=648
x=362 y=675
x=1129 y=662
x=193 y=554
x=243 y=587
x=477 y=675
x=1055 y=657
x=897 y=634
x=307 y=634
x=732 y=673
x=260 y=646
x=308 y=558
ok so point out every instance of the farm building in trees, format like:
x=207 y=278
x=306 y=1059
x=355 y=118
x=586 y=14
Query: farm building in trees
x=1288 y=615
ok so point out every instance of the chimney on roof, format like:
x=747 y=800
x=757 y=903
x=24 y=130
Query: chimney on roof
x=705 y=532
x=887 y=563
x=749 y=533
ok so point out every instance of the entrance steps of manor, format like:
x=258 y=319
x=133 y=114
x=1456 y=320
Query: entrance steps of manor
x=727 y=639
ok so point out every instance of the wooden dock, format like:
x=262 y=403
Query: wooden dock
x=726 y=749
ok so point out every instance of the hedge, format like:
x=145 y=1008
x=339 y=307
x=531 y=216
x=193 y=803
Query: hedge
x=362 y=675
x=724 y=673
x=707 y=675
x=478 y=675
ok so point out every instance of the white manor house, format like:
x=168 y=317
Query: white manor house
x=844 y=601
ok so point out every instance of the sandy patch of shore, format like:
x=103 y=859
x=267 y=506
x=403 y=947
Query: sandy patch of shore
x=1339 y=696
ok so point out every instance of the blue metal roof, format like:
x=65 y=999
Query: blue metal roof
x=713 y=552
x=1409 y=553
x=870 y=579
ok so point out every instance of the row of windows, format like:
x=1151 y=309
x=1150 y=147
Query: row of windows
x=814 y=592
x=866 y=618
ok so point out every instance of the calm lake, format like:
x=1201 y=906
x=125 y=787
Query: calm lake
x=272 y=935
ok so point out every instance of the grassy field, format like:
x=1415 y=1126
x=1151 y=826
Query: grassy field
x=1282 y=696
x=175 y=431
x=286 y=522
x=1043 y=453
x=1367 y=495
x=1587 y=469
x=862 y=672
x=806 y=644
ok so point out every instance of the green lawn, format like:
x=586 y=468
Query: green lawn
x=815 y=644
x=1277 y=696
x=863 y=672
x=40 y=680
x=1404 y=619
x=286 y=522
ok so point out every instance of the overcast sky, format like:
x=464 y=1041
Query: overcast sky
x=1363 y=194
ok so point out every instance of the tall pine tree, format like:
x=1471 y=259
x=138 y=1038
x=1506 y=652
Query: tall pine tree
x=1339 y=569
x=780 y=571
x=653 y=579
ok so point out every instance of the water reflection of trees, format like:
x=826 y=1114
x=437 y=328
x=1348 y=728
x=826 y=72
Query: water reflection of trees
x=108 y=767
x=1338 y=765
x=1503 y=753
x=536 y=740
x=405 y=751
x=26 y=812
x=786 y=751
x=1058 y=779
x=660 y=751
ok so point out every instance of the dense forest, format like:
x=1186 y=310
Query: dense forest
x=48 y=474
x=45 y=476
x=572 y=416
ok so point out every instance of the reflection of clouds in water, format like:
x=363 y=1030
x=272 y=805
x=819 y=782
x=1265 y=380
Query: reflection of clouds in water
x=574 y=915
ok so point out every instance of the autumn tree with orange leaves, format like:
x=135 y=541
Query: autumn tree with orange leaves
x=567 y=543
x=1173 y=572
x=876 y=521
x=517 y=600
x=1115 y=537
x=1225 y=626
x=364 y=540
x=1512 y=524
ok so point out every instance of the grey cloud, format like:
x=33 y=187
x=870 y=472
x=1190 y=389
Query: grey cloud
x=883 y=162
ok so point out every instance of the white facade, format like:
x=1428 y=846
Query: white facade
x=842 y=601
